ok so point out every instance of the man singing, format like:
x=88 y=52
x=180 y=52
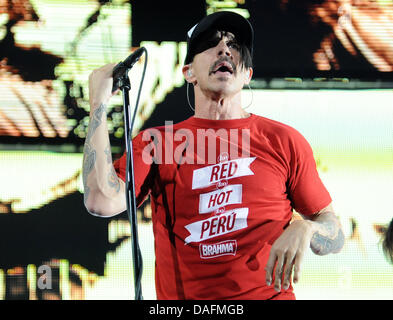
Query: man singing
x=223 y=184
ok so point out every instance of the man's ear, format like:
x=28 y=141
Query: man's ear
x=248 y=76
x=188 y=74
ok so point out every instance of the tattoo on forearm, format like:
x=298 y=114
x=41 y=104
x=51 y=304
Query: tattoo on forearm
x=86 y=193
x=89 y=160
x=113 y=180
x=108 y=154
x=89 y=154
x=333 y=241
x=95 y=121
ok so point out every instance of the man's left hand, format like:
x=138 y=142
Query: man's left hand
x=288 y=252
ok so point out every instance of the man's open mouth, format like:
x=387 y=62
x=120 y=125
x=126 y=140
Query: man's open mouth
x=223 y=67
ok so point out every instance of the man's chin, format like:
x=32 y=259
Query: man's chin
x=222 y=88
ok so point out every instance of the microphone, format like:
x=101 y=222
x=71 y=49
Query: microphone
x=123 y=67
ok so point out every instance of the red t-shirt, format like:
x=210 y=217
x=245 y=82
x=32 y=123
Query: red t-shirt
x=217 y=210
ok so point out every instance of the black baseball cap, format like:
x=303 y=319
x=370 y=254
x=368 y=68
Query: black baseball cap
x=221 y=20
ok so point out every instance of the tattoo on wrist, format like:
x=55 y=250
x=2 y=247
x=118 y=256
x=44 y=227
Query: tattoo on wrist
x=333 y=241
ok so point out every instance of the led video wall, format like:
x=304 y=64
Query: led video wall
x=325 y=38
x=48 y=49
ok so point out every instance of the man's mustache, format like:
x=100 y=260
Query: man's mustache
x=223 y=59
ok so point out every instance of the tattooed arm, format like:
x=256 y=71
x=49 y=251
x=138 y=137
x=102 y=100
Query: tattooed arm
x=328 y=236
x=322 y=233
x=104 y=192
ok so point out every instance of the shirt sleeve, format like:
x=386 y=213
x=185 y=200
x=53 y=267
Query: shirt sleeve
x=305 y=188
x=143 y=167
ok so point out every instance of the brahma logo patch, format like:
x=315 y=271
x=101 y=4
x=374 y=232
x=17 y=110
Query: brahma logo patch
x=214 y=250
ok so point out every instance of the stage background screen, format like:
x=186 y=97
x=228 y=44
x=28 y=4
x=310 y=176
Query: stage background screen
x=48 y=49
x=326 y=38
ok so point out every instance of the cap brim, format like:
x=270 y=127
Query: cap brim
x=225 y=21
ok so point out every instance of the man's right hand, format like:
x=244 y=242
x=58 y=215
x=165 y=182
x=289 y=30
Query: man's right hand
x=100 y=85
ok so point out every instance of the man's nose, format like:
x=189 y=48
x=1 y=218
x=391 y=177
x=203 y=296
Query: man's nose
x=223 y=49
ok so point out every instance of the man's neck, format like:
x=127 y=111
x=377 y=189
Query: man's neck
x=220 y=108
